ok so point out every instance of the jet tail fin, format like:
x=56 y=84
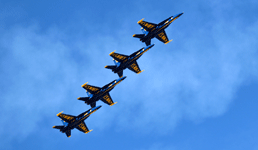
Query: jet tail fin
x=120 y=74
x=139 y=35
x=68 y=133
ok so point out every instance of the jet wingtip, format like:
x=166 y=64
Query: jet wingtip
x=59 y=113
x=89 y=131
x=140 y=72
x=112 y=52
x=84 y=84
x=168 y=41
x=140 y=20
x=113 y=104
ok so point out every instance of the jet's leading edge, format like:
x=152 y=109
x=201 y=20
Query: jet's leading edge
x=151 y=30
x=97 y=93
x=123 y=61
x=70 y=122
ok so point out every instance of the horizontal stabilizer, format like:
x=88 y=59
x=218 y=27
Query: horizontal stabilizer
x=58 y=127
x=83 y=98
x=139 y=35
x=110 y=67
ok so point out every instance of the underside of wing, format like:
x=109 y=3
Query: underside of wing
x=90 y=88
x=147 y=25
x=163 y=37
x=135 y=67
x=107 y=99
x=65 y=117
x=83 y=128
x=118 y=57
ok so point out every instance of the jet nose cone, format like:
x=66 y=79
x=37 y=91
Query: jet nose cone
x=151 y=45
x=98 y=107
x=123 y=78
x=95 y=108
x=178 y=15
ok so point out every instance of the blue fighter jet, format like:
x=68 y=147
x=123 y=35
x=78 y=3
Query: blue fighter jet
x=151 y=30
x=70 y=122
x=123 y=61
x=97 y=93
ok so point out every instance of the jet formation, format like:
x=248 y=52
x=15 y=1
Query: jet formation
x=94 y=93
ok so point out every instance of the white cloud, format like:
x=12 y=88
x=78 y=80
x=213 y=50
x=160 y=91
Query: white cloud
x=193 y=77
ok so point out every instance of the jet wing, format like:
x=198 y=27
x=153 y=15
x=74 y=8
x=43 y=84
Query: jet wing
x=65 y=117
x=134 y=67
x=82 y=127
x=107 y=99
x=163 y=37
x=90 y=88
x=147 y=25
x=118 y=57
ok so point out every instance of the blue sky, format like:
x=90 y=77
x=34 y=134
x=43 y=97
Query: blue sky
x=197 y=92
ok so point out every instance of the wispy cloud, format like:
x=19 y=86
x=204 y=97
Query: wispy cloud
x=194 y=77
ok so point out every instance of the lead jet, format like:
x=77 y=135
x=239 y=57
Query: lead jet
x=123 y=61
x=96 y=93
x=70 y=122
x=151 y=30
